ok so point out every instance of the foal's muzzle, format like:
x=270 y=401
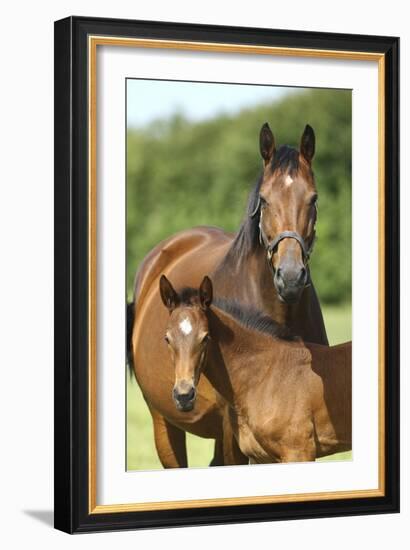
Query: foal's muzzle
x=184 y=397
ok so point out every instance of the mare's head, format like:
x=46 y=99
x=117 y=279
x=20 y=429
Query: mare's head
x=187 y=337
x=287 y=208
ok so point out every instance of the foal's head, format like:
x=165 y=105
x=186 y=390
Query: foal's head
x=187 y=337
x=287 y=210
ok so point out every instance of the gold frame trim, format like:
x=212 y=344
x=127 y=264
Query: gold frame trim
x=93 y=42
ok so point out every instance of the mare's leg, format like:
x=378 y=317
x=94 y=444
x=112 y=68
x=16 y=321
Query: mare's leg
x=169 y=442
x=218 y=458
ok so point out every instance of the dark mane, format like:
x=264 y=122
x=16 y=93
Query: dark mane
x=286 y=159
x=247 y=316
x=254 y=319
x=246 y=241
x=247 y=238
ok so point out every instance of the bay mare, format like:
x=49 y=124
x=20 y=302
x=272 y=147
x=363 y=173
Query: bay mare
x=245 y=266
x=287 y=401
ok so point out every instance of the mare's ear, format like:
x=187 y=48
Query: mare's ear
x=266 y=144
x=205 y=293
x=168 y=294
x=307 y=143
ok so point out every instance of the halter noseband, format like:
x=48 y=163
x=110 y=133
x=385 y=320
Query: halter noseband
x=271 y=247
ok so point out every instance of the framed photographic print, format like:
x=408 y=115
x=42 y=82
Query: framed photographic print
x=226 y=274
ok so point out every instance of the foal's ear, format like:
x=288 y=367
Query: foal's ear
x=205 y=293
x=168 y=294
x=266 y=143
x=307 y=143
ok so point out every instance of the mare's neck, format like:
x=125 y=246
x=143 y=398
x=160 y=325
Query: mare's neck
x=246 y=276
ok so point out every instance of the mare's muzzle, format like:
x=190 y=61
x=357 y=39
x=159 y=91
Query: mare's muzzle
x=290 y=280
x=291 y=276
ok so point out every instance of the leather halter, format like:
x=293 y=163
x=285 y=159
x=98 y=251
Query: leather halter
x=272 y=246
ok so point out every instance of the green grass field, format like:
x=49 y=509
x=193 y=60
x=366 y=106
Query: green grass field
x=141 y=453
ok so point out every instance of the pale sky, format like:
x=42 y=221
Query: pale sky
x=148 y=100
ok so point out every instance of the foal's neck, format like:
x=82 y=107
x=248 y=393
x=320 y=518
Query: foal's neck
x=240 y=358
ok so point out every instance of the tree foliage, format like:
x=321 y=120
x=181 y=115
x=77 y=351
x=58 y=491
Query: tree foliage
x=181 y=174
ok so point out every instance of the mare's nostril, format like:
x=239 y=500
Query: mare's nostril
x=190 y=394
x=302 y=274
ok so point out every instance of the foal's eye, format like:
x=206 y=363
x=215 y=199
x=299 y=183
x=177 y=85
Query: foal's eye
x=166 y=339
x=206 y=338
x=313 y=200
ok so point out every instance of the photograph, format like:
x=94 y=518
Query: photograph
x=239 y=274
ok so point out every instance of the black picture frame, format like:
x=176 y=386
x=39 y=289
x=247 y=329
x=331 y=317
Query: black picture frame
x=72 y=278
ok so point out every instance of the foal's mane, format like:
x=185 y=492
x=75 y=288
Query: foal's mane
x=286 y=159
x=252 y=318
x=246 y=316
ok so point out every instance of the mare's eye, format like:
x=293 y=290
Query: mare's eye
x=262 y=201
x=206 y=338
x=166 y=339
x=313 y=200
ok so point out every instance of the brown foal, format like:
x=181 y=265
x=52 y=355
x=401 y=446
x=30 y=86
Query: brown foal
x=287 y=401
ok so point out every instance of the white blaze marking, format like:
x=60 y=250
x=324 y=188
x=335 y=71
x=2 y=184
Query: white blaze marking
x=186 y=326
x=288 y=180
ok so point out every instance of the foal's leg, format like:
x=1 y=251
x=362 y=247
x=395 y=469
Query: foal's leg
x=298 y=455
x=227 y=451
x=231 y=452
x=169 y=442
